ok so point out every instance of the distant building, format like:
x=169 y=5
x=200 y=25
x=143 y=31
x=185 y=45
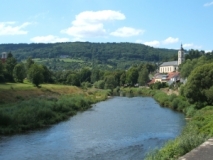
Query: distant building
x=169 y=78
x=172 y=66
x=168 y=71
x=3 y=56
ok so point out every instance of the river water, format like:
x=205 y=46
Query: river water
x=120 y=128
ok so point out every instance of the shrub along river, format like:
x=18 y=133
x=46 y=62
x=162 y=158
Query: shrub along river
x=119 y=128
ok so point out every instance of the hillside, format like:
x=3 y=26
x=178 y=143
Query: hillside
x=116 y=55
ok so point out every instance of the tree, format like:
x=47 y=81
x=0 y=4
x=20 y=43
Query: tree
x=47 y=74
x=110 y=82
x=73 y=79
x=94 y=75
x=143 y=77
x=132 y=76
x=123 y=78
x=10 y=64
x=84 y=75
x=29 y=62
x=19 y=72
x=199 y=85
x=35 y=74
x=2 y=72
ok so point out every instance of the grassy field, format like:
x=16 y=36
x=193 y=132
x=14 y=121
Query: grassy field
x=13 y=92
x=69 y=60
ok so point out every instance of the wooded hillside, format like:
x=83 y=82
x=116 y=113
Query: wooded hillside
x=87 y=50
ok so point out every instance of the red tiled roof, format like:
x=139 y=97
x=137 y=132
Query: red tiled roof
x=172 y=74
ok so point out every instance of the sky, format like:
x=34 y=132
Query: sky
x=157 y=23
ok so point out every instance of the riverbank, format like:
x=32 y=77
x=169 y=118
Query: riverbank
x=24 y=107
x=199 y=126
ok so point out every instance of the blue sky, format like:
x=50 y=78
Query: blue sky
x=157 y=23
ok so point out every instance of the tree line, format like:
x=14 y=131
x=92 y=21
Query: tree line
x=14 y=71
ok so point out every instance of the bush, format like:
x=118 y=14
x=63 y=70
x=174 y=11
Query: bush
x=99 y=84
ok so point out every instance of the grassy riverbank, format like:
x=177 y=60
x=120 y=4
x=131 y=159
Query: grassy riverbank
x=24 y=107
x=198 y=129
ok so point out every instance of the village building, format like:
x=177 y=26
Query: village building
x=3 y=56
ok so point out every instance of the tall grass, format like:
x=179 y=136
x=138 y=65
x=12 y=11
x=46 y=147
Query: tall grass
x=40 y=112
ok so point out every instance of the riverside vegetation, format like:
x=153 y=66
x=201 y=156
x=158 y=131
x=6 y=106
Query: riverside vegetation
x=51 y=104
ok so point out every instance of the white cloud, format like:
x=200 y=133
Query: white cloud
x=152 y=43
x=208 y=4
x=48 y=39
x=191 y=46
x=11 y=28
x=90 y=23
x=208 y=51
x=170 y=40
x=126 y=32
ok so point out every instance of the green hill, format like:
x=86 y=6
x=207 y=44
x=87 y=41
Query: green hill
x=114 y=55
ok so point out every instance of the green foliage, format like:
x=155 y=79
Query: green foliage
x=10 y=64
x=86 y=85
x=73 y=79
x=188 y=140
x=132 y=76
x=143 y=77
x=110 y=82
x=35 y=74
x=95 y=75
x=192 y=54
x=36 y=113
x=29 y=62
x=99 y=84
x=198 y=87
x=159 y=85
x=19 y=72
x=84 y=75
x=105 y=55
x=2 y=70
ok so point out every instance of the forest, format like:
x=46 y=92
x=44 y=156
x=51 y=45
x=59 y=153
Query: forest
x=109 y=56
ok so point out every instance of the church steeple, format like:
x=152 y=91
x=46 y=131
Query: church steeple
x=181 y=55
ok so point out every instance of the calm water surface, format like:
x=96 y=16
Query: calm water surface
x=120 y=128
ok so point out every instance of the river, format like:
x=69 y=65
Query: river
x=120 y=128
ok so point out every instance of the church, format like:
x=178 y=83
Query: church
x=3 y=57
x=172 y=66
x=168 y=71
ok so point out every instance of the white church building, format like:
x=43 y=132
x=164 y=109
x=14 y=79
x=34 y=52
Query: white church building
x=172 y=66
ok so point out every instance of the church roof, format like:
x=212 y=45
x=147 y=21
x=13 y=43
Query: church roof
x=170 y=63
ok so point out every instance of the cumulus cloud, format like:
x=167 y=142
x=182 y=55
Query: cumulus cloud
x=191 y=46
x=126 y=32
x=152 y=43
x=208 y=4
x=170 y=40
x=11 y=28
x=48 y=39
x=91 y=23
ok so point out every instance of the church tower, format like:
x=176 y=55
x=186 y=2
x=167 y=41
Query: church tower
x=3 y=56
x=181 y=55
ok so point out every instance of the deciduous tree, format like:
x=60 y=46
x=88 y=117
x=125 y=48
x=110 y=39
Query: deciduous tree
x=19 y=72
